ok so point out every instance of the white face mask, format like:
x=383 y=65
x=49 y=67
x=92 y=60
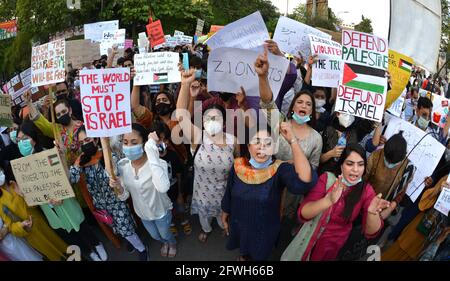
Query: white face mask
x=346 y=120
x=2 y=178
x=213 y=127
x=320 y=103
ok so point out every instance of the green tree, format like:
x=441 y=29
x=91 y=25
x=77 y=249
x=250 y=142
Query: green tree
x=365 y=25
x=331 y=22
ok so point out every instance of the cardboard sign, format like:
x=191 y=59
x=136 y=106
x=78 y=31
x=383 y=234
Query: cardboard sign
x=156 y=68
x=425 y=156
x=94 y=31
x=231 y=68
x=8 y=29
x=400 y=67
x=292 y=36
x=105 y=99
x=443 y=202
x=19 y=85
x=199 y=27
x=246 y=33
x=42 y=177
x=5 y=111
x=81 y=52
x=48 y=63
x=111 y=38
x=155 y=33
x=327 y=70
x=363 y=84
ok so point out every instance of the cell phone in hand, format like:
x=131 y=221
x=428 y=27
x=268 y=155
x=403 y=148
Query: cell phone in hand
x=185 y=61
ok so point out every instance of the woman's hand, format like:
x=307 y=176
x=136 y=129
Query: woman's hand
x=272 y=46
x=195 y=88
x=27 y=98
x=335 y=194
x=262 y=64
x=154 y=136
x=286 y=131
x=132 y=72
x=27 y=224
x=55 y=202
x=312 y=60
x=336 y=152
x=241 y=98
x=226 y=226
x=187 y=77
x=378 y=205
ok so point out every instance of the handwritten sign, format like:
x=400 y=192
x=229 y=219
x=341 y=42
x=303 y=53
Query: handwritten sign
x=292 y=36
x=19 y=85
x=246 y=33
x=363 y=84
x=155 y=33
x=5 y=111
x=94 y=31
x=177 y=32
x=42 y=177
x=428 y=151
x=327 y=70
x=105 y=99
x=8 y=29
x=156 y=68
x=199 y=27
x=231 y=68
x=396 y=108
x=111 y=38
x=443 y=202
x=81 y=52
x=47 y=63
x=400 y=67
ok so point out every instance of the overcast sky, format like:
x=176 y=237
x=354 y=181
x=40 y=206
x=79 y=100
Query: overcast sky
x=376 y=10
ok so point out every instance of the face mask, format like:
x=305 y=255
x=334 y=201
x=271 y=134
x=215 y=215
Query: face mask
x=348 y=184
x=390 y=165
x=13 y=136
x=162 y=147
x=422 y=123
x=258 y=166
x=89 y=149
x=162 y=109
x=346 y=120
x=300 y=119
x=61 y=97
x=320 y=103
x=2 y=178
x=133 y=152
x=213 y=127
x=64 y=120
x=198 y=73
x=225 y=96
x=25 y=147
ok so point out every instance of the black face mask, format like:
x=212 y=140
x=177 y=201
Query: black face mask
x=89 y=149
x=65 y=119
x=163 y=109
x=225 y=96
x=62 y=97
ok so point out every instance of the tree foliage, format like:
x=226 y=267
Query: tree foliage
x=331 y=22
x=365 y=25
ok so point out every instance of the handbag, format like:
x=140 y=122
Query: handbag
x=104 y=217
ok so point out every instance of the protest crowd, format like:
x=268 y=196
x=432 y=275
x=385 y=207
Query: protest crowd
x=239 y=132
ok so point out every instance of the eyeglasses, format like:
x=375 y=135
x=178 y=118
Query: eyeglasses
x=264 y=141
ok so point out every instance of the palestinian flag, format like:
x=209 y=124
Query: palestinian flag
x=53 y=160
x=160 y=77
x=405 y=65
x=364 y=78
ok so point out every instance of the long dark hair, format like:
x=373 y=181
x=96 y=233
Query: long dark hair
x=355 y=194
x=169 y=97
x=312 y=122
x=28 y=128
x=141 y=131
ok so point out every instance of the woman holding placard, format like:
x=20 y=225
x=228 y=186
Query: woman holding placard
x=214 y=153
x=108 y=208
x=26 y=222
x=144 y=177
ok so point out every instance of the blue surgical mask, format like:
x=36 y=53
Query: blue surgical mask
x=423 y=123
x=13 y=136
x=300 y=119
x=25 y=147
x=133 y=152
x=198 y=73
x=348 y=184
x=390 y=165
x=2 y=178
x=258 y=166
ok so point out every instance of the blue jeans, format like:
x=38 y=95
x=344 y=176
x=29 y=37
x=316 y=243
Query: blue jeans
x=160 y=229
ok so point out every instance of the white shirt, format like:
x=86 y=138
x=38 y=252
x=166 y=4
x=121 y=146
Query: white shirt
x=148 y=188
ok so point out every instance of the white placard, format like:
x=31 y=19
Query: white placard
x=111 y=38
x=292 y=36
x=94 y=31
x=156 y=68
x=397 y=106
x=327 y=69
x=231 y=68
x=443 y=202
x=48 y=63
x=246 y=33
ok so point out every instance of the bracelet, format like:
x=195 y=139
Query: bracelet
x=293 y=140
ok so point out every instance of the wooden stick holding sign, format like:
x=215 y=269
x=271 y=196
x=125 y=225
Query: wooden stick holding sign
x=52 y=113
x=107 y=156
